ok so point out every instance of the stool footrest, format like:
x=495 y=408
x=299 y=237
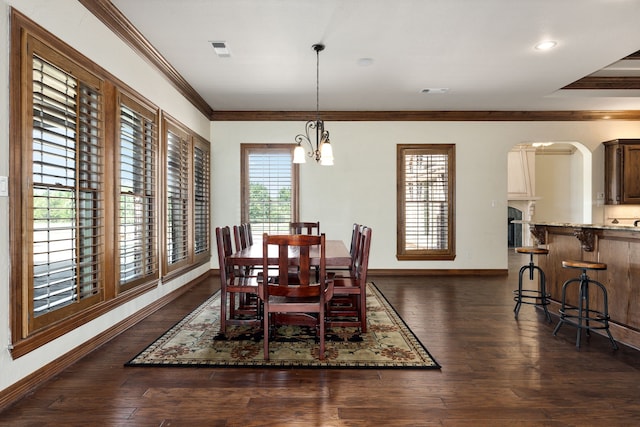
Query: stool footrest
x=534 y=296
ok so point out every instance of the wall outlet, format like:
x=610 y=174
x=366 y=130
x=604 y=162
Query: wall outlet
x=4 y=186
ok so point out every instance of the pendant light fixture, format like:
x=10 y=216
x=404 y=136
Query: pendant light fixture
x=322 y=151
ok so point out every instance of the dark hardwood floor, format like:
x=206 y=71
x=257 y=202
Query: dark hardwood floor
x=496 y=371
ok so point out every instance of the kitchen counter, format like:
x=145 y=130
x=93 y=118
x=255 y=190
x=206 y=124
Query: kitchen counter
x=616 y=245
x=607 y=226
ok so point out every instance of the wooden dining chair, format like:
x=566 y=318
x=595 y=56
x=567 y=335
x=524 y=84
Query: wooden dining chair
x=248 y=233
x=240 y=236
x=353 y=249
x=304 y=228
x=349 y=305
x=247 y=308
x=303 y=302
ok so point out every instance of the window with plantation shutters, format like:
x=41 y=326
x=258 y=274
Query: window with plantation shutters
x=177 y=149
x=269 y=187
x=426 y=202
x=137 y=236
x=201 y=193
x=87 y=206
x=67 y=230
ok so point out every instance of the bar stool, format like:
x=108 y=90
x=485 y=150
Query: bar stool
x=582 y=316
x=532 y=296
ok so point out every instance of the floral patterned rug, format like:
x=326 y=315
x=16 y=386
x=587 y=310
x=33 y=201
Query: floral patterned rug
x=194 y=341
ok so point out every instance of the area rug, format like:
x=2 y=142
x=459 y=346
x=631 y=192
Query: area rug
x=195 y=341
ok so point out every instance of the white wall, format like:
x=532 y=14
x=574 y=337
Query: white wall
x=80 y=29
x=361 y=187
x=559 y=183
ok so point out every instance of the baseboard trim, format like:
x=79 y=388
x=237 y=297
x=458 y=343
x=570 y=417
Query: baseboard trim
x=425 y=272
x=21 y=388
x=437 y=272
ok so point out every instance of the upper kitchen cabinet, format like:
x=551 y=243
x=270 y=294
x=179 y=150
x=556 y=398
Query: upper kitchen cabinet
x=622 y=172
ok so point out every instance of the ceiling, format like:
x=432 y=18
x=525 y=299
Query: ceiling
x=381 y=54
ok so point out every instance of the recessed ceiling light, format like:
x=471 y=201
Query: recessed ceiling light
x=435 y=90
x=546 y=45
x=221 y=48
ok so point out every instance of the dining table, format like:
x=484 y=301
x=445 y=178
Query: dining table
x=336 y=255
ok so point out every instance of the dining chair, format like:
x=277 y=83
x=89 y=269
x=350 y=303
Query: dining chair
x=303 y=302
x=304 y=228
x=246 y=310
x=349 y=305
x=353 y=249
x=240 y=236
x=249 y=233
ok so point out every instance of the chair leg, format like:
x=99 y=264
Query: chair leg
x=265 y=328
x=223 y=312
x=322 y=330
x=362 y=299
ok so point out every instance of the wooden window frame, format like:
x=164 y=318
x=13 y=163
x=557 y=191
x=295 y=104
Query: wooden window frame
x=403 y=252
x=25 y=335
x=183 y=257
x=189 y=141
x=201 y=197
x=245 y=151
x=149 y=114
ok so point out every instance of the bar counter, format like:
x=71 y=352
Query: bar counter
x=616 y=245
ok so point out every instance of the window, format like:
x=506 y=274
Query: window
x=86 y=206
x=201 y=194
x=269 y=187
x=66 y=233
x=187 y=197
x=426 y=202
x=177 y=149
x=137 y=229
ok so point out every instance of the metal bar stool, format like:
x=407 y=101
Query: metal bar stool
x=583 y=316
x=538 y=297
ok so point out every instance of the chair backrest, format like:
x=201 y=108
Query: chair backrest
x=300 y=245
x=361 y=261
x=249 y=233
x=354 y=239
x=223 y=239
x=240 y=236
x=304 y=228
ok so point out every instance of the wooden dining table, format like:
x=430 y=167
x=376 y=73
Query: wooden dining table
x=336 y=255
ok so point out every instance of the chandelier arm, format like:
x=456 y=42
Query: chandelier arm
x=300 y=138
x=321 y=135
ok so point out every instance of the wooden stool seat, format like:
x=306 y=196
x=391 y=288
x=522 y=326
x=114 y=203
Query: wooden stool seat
x=537 y=297
x=583 y=316
x=532 y=250
x=585 y=265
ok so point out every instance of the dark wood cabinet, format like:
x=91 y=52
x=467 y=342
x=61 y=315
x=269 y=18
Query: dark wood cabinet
x=622 y=172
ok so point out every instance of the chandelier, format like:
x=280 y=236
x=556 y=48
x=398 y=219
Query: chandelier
x=322 y=151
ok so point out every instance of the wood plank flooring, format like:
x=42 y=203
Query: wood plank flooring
x=496 y=371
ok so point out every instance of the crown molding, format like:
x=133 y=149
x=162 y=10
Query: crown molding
x=111 y=16
x=485 y=116
x=606 y=83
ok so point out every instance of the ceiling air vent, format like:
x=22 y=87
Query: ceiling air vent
x=221 y=49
